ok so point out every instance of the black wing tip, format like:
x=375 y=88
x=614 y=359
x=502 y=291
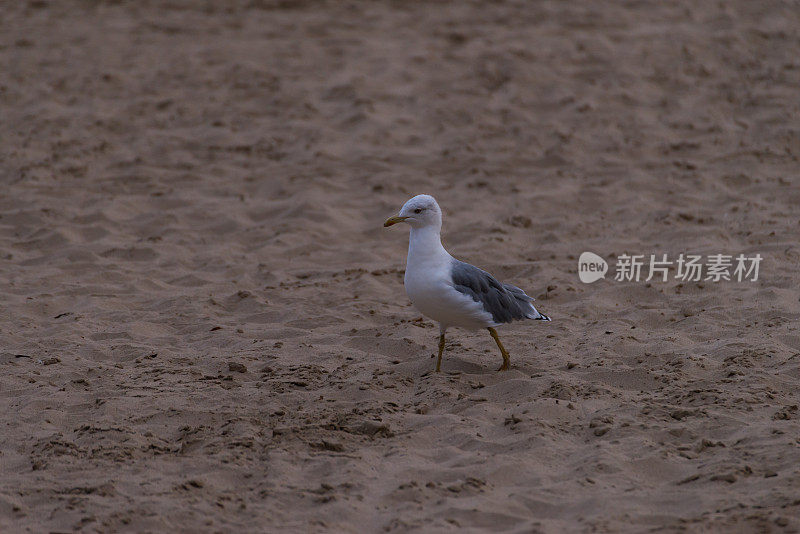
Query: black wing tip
x=543 y=317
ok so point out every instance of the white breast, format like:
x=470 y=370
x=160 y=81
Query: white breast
x=430 y=289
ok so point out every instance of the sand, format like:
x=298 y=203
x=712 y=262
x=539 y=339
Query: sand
x=204 y=328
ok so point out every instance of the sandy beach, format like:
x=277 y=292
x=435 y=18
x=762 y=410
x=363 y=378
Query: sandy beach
x=204 y=326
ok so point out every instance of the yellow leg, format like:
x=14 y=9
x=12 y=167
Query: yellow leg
x=441 y=349
x=503 y=351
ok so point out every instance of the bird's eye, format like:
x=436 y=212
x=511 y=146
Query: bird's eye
x=418 y=210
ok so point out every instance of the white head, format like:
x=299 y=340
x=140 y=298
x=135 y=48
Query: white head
x=419 y=212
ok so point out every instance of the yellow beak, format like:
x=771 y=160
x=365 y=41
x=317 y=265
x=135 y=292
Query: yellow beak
x=394 y=220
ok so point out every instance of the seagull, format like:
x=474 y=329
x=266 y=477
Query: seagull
x=452 y=292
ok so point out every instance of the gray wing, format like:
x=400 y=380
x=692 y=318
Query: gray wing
x=505 y=302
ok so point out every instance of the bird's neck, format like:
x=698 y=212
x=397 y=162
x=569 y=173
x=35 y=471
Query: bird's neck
x=425 y=244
